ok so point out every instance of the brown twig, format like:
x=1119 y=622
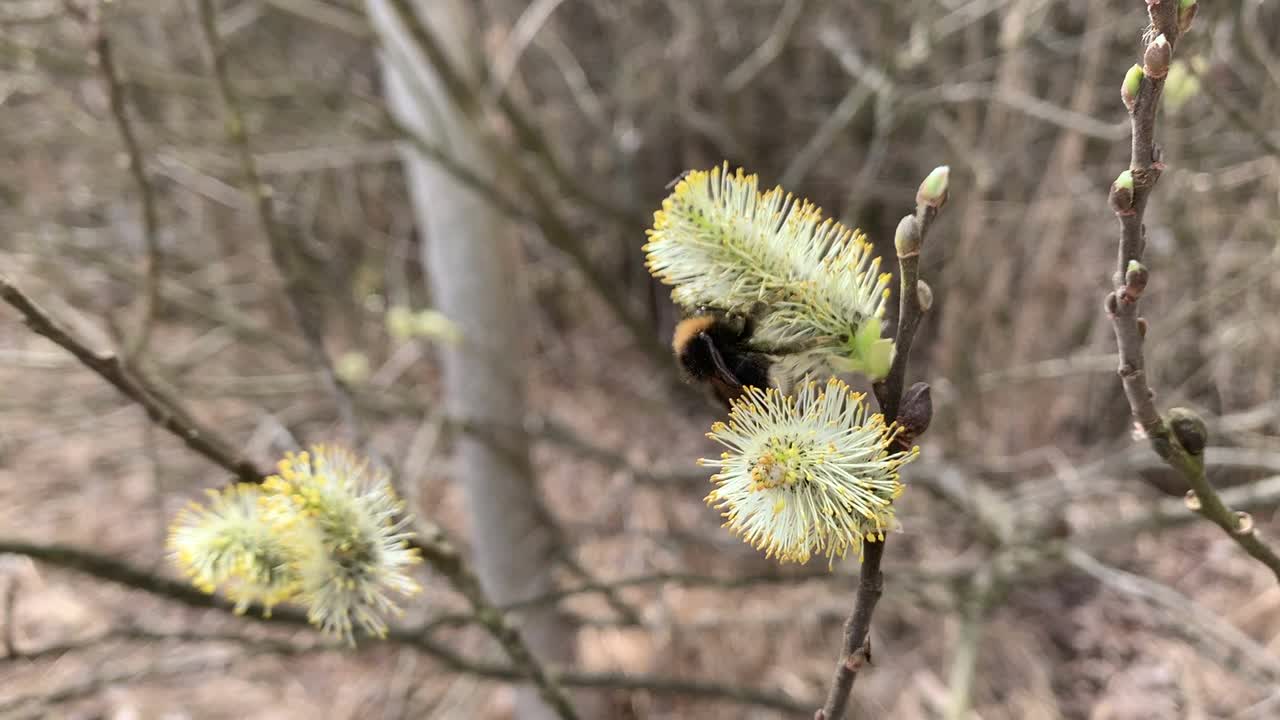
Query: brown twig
x=112 y=82
x=976 y=604
x=11 y=617
x=166 y=413
x=446 y=560
x=767 y=51
x=1180 y=445
x=555 y=229
x=1202 y=628
x=912 y=231
x=113 y=570
x=163 y=410
x=1238 y=117
x=284 y=251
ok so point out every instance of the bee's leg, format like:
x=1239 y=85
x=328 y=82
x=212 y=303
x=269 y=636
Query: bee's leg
x=722 y=370
x=752 y=316
x=753 y=369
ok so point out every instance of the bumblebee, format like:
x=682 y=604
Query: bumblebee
x=715 y=347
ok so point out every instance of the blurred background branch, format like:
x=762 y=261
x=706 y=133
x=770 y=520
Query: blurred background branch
x=583 y=112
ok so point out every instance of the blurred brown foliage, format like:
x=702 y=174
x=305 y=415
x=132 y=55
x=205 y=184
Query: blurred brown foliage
x=848 y=104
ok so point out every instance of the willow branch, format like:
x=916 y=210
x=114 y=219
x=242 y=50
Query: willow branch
x=446 y=560
x=114 y=85
x=1197 y=625
x=977 y=602
x=549 y=220
x=284 y=252
x=121 y=573
x=1180 y=440
x=692 y=580
x=855 y=650
x=163 y=410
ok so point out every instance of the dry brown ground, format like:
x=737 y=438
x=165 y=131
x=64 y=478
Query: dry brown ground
x=1017 y=350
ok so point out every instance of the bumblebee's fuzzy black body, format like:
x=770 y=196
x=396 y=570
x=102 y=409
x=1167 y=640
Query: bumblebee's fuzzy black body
x=714 y=347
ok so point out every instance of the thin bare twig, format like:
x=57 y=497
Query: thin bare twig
x=285 y=253
x=113 y=570
x=330 y=15
x=522 y=33
x=446 y=560
x=460 y=172
x=549 y=220
x=1182 y=451
x=104 y=55
x=1234 y=113
x=977 y=602
x=37 y=706
x=767 y=51
x=163 y=410
x=11 y=617
x=1194 y=623
x=856 y=648
x=530 y=136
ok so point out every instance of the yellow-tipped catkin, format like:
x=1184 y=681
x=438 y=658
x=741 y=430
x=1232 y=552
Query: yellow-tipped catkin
x=809 y=474
x=326 y=531
x=721 y=242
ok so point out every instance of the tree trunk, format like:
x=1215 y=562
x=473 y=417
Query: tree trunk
x=473 y=266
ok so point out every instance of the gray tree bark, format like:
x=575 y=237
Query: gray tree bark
x=471 y=258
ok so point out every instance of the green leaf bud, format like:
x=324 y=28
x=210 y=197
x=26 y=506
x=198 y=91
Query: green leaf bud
x=1136 y=276
x=1179 y=86
x=1189 y=428
x=872 y=354
x=1186 y=13
x=1122 y=194
x=1132 y=85
x=933 y=191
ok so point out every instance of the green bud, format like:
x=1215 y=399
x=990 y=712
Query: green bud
x=1132 y=85
x=403 y=324
x=1186 y=13
x=1189 y=428
x=878 y=359
x=866 y=335
x=352 y=368
x=434 y=325
x=933 y=191
x=1179 y=86
x=1135 y=280
x=1122 y=194
x=400 y=322
x=872 y=354
x=907 y=237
